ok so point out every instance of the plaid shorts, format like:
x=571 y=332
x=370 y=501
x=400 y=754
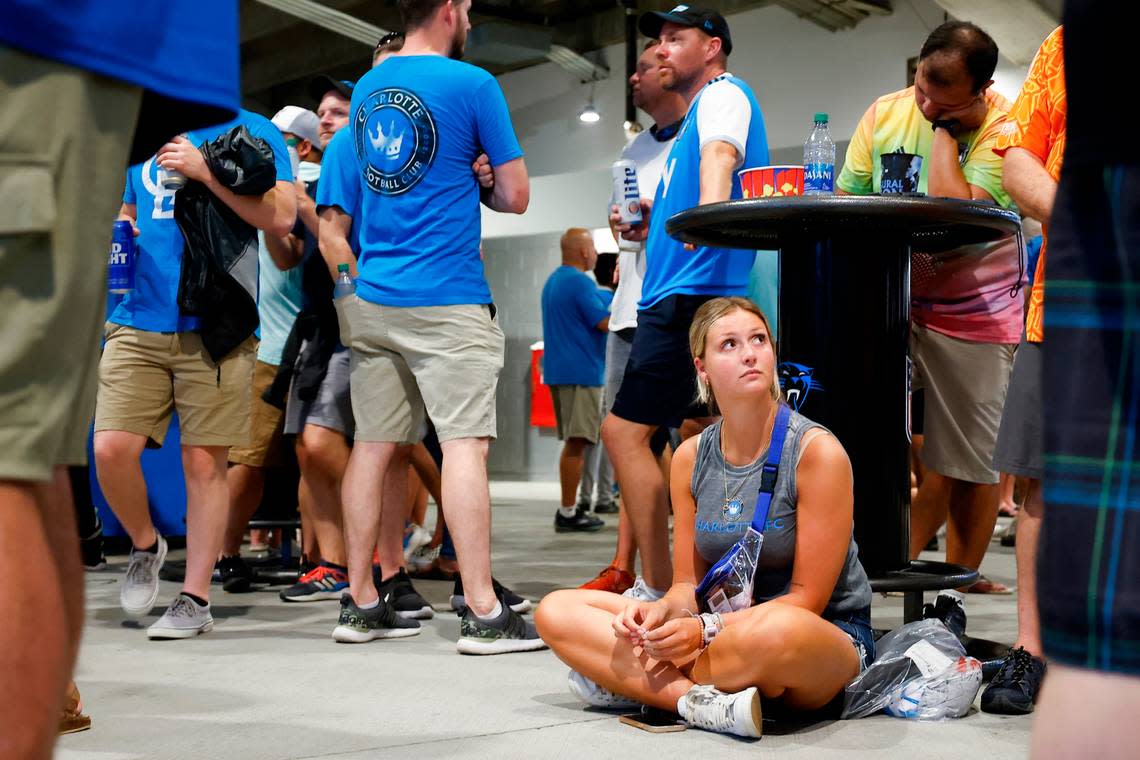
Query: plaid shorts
x=1089 y=551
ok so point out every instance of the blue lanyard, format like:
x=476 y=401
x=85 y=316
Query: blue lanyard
x=771 y=468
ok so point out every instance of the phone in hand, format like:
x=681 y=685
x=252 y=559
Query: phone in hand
x=654 y=720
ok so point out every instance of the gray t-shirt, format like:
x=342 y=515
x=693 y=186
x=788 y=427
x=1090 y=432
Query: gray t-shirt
x=717 y=529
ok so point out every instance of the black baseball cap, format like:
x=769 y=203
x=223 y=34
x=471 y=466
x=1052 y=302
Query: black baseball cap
x=709 y=22
x=320 y=86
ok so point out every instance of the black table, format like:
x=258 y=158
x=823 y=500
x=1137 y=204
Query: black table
x=844 y=326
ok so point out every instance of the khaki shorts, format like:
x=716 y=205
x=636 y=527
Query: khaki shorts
x=266 y=424
x=412 y=363
x=145 y=376
x=64 y=138
x=965 y=385
x=578 y=411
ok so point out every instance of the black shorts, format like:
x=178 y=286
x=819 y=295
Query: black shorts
x=660 y=383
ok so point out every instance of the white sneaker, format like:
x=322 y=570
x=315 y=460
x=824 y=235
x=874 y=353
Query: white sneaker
x=419 y=537
x=642 y=592
x=139 y=591
x=595 y=696
x=423 y=558
x=184 y=619
x=704 y=706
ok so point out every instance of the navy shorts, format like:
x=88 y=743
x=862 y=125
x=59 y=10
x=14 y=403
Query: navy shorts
x=660 y=383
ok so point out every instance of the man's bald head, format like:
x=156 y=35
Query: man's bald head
x=578 y=249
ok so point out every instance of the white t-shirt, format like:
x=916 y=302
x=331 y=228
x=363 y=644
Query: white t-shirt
x=724 y=113
x=649 y=155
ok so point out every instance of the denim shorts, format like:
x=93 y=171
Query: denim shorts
x=858 y=628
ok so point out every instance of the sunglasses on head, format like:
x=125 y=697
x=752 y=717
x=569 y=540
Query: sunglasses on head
x=388 y=39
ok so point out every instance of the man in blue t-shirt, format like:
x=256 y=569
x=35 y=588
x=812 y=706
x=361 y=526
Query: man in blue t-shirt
x=72 y=82
x=421 y=325
x=722 y=131
x=575 y=321
x=154 y=364
x=279 y=300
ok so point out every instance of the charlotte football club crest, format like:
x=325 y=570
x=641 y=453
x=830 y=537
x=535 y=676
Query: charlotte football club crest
x=732 y=509
x=395 y=139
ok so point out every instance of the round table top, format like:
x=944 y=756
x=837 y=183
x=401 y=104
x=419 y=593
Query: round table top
x=924 y=223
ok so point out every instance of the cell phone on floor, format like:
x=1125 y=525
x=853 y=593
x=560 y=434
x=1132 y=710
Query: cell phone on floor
x=654 y=721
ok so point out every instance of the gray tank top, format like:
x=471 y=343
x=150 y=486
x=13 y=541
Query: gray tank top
x=717 y=529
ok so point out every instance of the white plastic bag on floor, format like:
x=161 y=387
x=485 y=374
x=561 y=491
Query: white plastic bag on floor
x=920 y=671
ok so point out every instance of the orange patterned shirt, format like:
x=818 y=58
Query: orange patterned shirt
x=1037 y=124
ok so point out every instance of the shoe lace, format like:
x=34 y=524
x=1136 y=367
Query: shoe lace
x=141 y=567
x=710 y=709
x=181 y=607
x=318 y=573
x=1016 y=665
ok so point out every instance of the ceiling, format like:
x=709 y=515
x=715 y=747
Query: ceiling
x=281 y=52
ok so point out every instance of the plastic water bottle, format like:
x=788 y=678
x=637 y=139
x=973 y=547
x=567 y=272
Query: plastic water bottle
x=819 y=159
x=294 y=160
x=345 y=285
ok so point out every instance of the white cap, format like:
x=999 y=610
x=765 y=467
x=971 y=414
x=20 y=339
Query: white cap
x=299 y=121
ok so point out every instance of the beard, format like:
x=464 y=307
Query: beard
x=673 y=80
x=458 y=43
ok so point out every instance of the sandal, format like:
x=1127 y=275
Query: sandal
x=985 y=586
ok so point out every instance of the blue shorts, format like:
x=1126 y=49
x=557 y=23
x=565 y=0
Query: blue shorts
x=858 y=628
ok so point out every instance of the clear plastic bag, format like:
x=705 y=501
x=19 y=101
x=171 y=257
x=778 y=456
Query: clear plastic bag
x=727 y=586
x=920 y=671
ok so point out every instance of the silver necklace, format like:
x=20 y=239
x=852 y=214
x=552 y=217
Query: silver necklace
x=733 y=505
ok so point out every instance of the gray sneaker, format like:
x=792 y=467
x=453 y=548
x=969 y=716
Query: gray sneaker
x=184 y=619
x=704 y=706
x=139 y=591
x=506 y=633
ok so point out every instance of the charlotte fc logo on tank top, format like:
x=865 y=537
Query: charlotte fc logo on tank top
x=395 y=139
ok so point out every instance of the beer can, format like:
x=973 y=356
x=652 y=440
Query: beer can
x=171 y=179
x=627 y=195
x=121 y=263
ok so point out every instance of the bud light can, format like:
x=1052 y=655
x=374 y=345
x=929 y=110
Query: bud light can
x=627 y=195
x=121 y=264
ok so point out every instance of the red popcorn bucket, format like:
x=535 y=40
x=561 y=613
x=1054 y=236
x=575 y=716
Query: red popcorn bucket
x=772 y=181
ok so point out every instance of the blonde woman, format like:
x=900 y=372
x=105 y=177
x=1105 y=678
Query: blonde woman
x=808 y=630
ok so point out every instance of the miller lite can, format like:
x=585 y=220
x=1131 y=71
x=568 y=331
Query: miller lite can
x=627 y=195
x=121 y=264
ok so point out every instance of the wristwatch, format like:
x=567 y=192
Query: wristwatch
x=950 y=125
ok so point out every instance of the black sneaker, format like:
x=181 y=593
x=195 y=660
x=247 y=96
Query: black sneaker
x=517 y=603
x=607 y=508
x=579 y=523
x=1013 y=691
x=950 y=610
x=357 y=626
x=92 y=549
x=405 y=599
x=506 y=633
x=236 y=575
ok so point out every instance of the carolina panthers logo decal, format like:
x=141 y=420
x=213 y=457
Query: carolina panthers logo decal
x=395 y=138
x=797 y=381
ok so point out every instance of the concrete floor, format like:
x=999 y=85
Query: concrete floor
x=269 y=682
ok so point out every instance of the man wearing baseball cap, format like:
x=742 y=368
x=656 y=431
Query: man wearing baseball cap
x=723 y=131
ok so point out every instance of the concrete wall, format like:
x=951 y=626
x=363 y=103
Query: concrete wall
x=517 y=268
x=796 y=69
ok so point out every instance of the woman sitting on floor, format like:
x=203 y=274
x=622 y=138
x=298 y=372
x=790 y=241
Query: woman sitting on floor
x=807 y=633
